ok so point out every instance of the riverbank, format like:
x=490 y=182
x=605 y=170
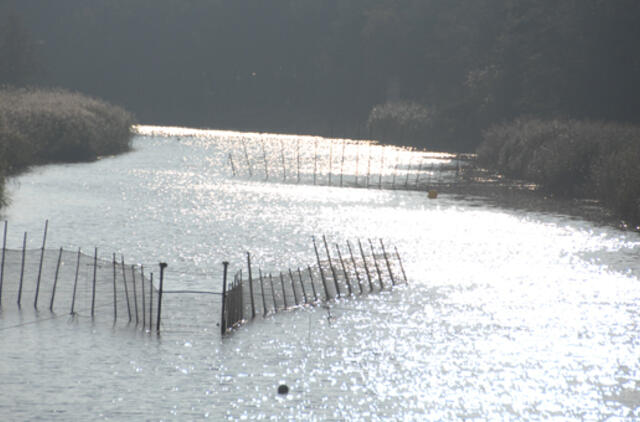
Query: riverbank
x=570 y=159
x=40 y=126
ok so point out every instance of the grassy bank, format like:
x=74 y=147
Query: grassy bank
x=45 y=126
x=571 y=158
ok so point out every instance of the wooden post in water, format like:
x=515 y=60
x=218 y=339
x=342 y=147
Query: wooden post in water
x=253 y=305
x=381 y=167
x=55 y=281
x=293 y=287
x=366 y=267
x=238 y=303
x=264 y=300
x=151 y=302
x=330 y=160
x=368 y=167
x=266 y=167
x=93 y=288
x=342 y=161
x=357 y=161
x=401 y=266
x=163 y=265
x=115 y=296
x=44 y=242
x=395 y=170
x=298 y=158
x=230 y=311
x=75 y=283
x=406 y=181
x=4 y=250
x=333 y=271
x=233 y=168
x=284 y=166
x=273 y=293
x=324 y=280
x=223 y=316
x=135 y=293
x=355 y=267
x=344 y=269
x=418 y=174
x=144 y=305
x=304 y=291
x=24 y=250
x=284 y=293
x=238 y=287
x=240 y=299
x=386 y=258
x=375 y=261
x=437 y=175
x=313 y=287
x=246 y=155
x=315 y=160
x=126 y=288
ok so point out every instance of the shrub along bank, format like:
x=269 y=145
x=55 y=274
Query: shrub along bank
x=44 y=126
x=572 y=158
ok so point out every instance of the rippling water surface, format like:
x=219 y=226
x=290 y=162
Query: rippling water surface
x=508 y=314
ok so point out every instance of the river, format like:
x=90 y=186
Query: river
x=509 y=314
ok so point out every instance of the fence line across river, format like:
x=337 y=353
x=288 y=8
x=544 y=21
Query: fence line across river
x=79 y=284
x=353 y=270
x=378 y=166
x=86 y=285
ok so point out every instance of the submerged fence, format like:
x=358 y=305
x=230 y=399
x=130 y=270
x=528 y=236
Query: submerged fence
x=85 y=285
x=347 y=163
x=353 y=270
x=79 y=284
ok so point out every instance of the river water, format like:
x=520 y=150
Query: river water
x=508 y=314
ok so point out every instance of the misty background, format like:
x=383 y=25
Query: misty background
x=427 y=73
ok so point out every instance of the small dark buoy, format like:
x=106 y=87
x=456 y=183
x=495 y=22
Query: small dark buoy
x=283 y=389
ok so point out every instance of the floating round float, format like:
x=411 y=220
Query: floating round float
x=283 y=389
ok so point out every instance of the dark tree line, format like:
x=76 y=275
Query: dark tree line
x=17 y=51
x=436 y=72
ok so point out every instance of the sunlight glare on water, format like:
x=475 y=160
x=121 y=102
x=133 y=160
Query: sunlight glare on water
x=508 y=314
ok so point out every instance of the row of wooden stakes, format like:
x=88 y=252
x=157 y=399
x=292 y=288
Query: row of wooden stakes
x=339 y=276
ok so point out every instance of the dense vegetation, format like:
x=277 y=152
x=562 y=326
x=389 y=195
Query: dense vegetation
x=571 y=158
x=334 y=65
x=43 y=126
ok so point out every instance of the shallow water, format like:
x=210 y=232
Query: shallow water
x=508 y=314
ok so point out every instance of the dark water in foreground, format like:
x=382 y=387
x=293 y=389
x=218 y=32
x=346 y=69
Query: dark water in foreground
x=508 y=315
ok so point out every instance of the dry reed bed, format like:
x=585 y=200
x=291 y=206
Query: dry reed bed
x=571 y=158
x=39 y=126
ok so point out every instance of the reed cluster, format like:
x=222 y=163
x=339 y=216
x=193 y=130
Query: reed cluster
x=572 y=158
x=39 y=126
x=401 y=122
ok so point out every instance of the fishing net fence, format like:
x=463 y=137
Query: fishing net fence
x=347 y=163
x=354 y=269
x=78 y=284
x=88 y=286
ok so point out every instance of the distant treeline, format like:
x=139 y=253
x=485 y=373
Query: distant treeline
x=571 y=158
x=43 y=126
x=428 y=73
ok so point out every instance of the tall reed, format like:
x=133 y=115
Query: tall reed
x=39 y=126
x=574 y=158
